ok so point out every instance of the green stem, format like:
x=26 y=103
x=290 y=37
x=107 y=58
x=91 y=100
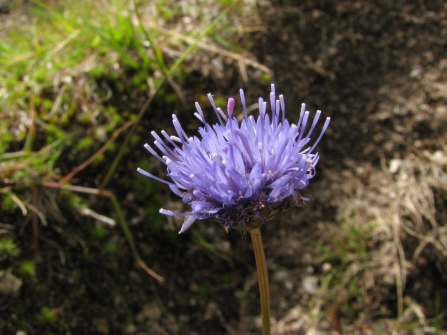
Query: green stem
x=263 y=279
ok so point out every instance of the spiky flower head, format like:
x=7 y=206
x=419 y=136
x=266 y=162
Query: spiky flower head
x=239 y=174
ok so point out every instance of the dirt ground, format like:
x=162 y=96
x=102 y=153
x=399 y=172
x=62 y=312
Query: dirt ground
x=378 y=215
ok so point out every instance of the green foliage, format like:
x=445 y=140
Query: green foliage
x=153 y=218
x=220 y=101
x=226 y=3
x=171 y=98
x=8 y=248
x=8 y=204
x=28 y=269
x=110 y=248
x=213 y=249
x=75 y=201
x=346 y=254
x=5 y=139
x=349 y=247
x=85 y=143
x=87 y=257
x=204 y=289
x=225 y=278
x=65 y=43
x=223 y=42
x=265 y=78
x=47 y=316
x=149 y=192
x=26 y=168
x=168 y=13
x=98 y=231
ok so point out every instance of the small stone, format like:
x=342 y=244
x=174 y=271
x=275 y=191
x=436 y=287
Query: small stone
x=280 y=275
x=101 y=326
x=148 y=312
x=326 y=267
x=9 y=284
x=394 y=165
x=310 y=284
x=310 y=269
x=130 y=329
x=288 y=285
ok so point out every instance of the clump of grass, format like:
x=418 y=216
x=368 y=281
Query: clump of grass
x=47 y=316
x=110 y=248
x=8 y=203
x=345 y=256
x=421 y=185
x=8 y=248
x=51 y=69
x=27 y=269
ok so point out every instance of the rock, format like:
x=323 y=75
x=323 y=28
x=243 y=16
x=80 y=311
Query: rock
x=310 y=284
x=9 y=284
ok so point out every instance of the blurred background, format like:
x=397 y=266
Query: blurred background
x=83 y=249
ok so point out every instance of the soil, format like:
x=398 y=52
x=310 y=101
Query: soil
x=378 y=69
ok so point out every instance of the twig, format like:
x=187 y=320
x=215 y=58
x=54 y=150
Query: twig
x=99 y=152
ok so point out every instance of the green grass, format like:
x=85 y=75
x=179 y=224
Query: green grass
x=64 y=80
x=46 y=316
x=50 y=70
x=8 y=248
x=27 y=269
x=346 y=254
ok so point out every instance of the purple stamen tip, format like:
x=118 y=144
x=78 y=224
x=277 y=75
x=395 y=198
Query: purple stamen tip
x=230 y=106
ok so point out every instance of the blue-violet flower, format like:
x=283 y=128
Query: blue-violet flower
x=239 y=174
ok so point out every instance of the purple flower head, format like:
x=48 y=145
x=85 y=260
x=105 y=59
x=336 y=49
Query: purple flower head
x=239 y=174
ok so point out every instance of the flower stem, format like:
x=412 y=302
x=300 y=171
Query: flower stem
x=263 y=279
